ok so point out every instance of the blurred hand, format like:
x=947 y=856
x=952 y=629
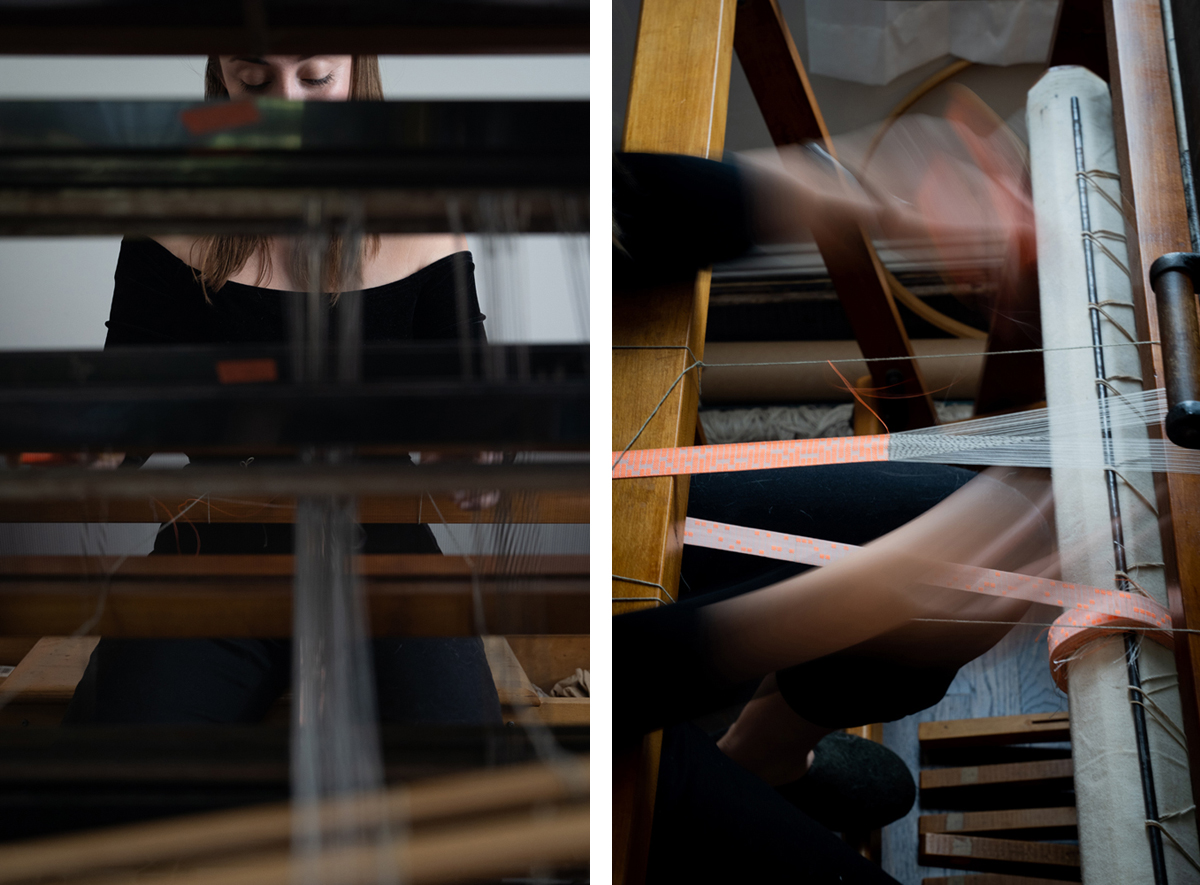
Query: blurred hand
x=954 y=181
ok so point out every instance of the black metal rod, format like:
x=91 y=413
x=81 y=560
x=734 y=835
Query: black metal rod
x=1149 y=794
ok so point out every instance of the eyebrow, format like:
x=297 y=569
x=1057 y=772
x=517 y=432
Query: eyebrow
x=262 y=61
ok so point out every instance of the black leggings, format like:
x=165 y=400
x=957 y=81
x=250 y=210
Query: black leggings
x=713 y=820
x=227 y=681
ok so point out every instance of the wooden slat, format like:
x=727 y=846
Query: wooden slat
x=434 y=801
x=996 y=775
x=409 y=594
x=677 y=102
x=547 y=659
x=563 y=711
x=535 y=507
x=485 y=848
x=1152 y=187
x=777 y=76
x=993 y=821
x=988 y=879
x=945 y=850
x=51 y=670
x=995 y=730
x=512 y=685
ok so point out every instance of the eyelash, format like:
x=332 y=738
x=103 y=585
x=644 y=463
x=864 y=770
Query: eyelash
x=259 y=87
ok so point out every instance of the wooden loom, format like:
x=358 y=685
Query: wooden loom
x=546 y=616
x=677 y=103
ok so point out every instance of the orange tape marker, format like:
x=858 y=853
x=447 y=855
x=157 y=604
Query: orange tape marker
x=750 y=456
x=1084 y=607
x=247 y=371
x=217 y=117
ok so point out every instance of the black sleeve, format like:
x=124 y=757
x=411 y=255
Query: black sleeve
x=155 y=299
x=448 y=302
x=673 y=215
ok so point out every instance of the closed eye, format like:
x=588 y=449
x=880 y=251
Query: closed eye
x=324 y=81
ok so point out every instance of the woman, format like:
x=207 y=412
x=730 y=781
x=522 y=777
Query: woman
x=233 y=289
x=808 y=652
x=871 y=638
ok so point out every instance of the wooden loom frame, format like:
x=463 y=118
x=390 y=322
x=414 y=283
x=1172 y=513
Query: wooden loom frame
x=677 y=103
x=441 y=593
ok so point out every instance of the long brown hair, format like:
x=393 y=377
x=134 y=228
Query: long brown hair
x=224 y=255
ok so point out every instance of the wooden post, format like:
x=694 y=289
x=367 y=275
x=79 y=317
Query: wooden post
x=677 y=103
x=1156 y=223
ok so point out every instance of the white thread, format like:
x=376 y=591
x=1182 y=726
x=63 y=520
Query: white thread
x=712 y=102
x=1158 y=826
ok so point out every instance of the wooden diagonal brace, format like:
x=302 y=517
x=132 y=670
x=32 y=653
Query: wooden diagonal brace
x=776 y=74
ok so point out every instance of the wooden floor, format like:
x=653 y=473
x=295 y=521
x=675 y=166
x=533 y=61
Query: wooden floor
x=1013 y=678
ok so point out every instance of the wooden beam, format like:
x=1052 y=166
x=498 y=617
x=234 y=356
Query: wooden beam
x=482 y=848
x=532 y=507
x=51 y=670
x=547 y=659
x=512 y=685
x=259 y=27
x=43 y=683
x=433 y=801
x=780 y=84
x=1040 y=819
x=995 y=730
x=975 y=852
x=230 y=596
x=1005 y=773
x=1156 y=223
x=563 y=711
x=677 y=102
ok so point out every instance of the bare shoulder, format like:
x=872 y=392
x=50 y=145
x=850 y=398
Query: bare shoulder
x=400 y=256
x=182 y=246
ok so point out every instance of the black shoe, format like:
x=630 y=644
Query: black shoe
x=853 y=784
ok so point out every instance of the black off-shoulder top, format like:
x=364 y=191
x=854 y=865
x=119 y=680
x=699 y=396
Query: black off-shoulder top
x=158 y=300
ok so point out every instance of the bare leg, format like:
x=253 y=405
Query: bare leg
x=769 y=739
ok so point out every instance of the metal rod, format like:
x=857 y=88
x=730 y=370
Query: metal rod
x=1149 y=796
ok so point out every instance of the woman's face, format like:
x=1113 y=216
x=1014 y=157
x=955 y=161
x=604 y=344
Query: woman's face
x=295 y=77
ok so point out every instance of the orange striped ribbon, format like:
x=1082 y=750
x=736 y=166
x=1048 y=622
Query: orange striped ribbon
x=749 y=456
x=1083 y=607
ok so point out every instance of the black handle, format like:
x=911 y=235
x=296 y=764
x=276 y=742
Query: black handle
x=1172 y=277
